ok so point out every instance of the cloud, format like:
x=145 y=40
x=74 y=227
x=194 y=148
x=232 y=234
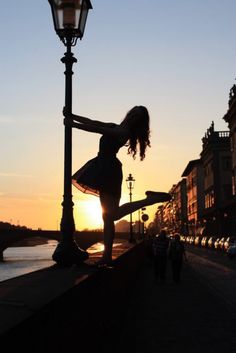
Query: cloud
x=24 y=119
x=35 y=197
x=6 y=120
x=15 y=175
x=17 y=195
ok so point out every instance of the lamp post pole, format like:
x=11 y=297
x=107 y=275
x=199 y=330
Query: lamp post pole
x=143 y=223
x=139 y=224
x=130 y=184
x=131 y=236
x=145 y=218
x=69 y=17
x=67 y=225
x=140 y=211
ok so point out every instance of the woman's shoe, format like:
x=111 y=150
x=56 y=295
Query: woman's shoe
x=155 y=196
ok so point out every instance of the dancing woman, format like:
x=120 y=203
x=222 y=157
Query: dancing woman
x=102 y=175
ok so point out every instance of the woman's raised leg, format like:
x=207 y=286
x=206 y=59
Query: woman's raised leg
x=111 y=211
x=152 y=198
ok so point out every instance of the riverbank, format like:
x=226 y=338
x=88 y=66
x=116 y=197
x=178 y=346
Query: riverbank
x=30 y=242
x=68 y=309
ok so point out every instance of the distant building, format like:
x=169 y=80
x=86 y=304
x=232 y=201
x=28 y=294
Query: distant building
x=122 y=226
x=230 y=118
x=216 y=160
x=194 y=176
x=178 y=209
x=172 y=215
x=204 y=202
x=230 y=204
x=159 y=218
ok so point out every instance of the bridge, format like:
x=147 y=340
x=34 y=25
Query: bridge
x=85 y=239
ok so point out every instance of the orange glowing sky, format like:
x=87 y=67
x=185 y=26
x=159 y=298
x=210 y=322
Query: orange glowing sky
x=175 y=57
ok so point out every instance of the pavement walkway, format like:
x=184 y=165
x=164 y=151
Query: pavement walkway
x=170 y=318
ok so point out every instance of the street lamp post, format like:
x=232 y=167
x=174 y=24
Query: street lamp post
x=69 y=18
x=139 y=224
x=130 y=185
x=145 y=218
x=140 y=211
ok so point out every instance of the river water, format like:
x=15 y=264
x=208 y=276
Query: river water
x=21 y=260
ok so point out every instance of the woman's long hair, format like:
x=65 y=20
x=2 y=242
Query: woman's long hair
x=138 y=121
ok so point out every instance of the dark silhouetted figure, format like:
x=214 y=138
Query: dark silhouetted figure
x=160 y=247
x=102 y=175
x=176 y=254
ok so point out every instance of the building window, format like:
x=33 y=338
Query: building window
x=233 y=141
x=233 y=185
x=209 y=199
x=227 y=192
x=226 y=163
x=208 y=169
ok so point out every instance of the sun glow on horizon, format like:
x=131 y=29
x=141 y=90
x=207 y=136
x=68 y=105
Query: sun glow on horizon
x=88 y=211
x=88 y=214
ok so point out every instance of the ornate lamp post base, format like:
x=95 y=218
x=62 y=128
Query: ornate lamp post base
x=67 y=253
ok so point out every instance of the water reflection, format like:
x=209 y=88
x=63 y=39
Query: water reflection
x=98 y=247
x=21 y=260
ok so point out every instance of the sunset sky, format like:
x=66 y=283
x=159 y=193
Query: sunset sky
x=176 y=57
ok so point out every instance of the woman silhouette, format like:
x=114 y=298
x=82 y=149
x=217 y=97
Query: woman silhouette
x=102 y=175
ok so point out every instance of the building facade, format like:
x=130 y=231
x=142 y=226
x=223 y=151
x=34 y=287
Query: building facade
x=216 y=160
x=178 y=208
x=204 y=202
x=230 y=204
x=172 y=215
x=194 y=176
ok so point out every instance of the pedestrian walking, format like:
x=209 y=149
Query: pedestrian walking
x=176 y=255
x=160 y=247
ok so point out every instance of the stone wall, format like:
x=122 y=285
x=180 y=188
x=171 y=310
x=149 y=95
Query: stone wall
x=69 y=310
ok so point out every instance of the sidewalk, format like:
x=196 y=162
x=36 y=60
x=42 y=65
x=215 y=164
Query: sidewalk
x=174 y=318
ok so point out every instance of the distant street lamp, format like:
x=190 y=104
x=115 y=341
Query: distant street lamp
x=69 y=18
x=145 y=218
x=130 y=185
x=139 y=221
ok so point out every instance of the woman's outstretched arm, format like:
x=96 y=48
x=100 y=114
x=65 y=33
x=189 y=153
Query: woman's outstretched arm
x=99 y=127
x=91 y=122
x=87 y=121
